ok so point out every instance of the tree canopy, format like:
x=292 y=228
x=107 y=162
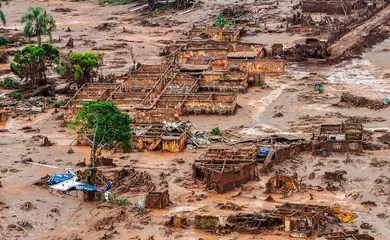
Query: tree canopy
x=84 y=66
x=33 y=62
x=37 y=23
x=2 y=16
x=80 y=67
x=105 y=126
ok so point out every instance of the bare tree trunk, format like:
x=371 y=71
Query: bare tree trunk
x=39 y=40
x=50 y=38
x=91 y=196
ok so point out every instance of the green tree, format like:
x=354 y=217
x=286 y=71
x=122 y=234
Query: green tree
x=33 y=62
x=50 y=26
x=2 y=16
x=105 y=127
x=81 y=67
x=37 y=23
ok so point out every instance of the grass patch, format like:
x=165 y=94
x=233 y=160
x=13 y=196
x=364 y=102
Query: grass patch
x=9 y=83
x=17 y=95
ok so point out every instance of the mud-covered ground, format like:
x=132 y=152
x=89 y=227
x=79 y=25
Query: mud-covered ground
x=30 y=212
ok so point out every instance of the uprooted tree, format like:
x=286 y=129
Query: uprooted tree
x=33 y=62
x=105 y=128
x=80 y=67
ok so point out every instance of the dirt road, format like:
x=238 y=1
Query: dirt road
x=354 y=36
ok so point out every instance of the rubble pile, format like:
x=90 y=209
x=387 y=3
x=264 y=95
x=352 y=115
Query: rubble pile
x=109 y=223
x=131 y=180
x=27 y=206
x=385 y=139
x=105 y=26
x=124 y=180
x=234 y=12
x=42 y=182
x=334 y=180
x=40 y=140
x=356 y=101
x=229 y=206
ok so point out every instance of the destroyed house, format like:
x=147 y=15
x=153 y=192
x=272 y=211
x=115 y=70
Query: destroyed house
x=200 y=103
x=248 y=153
x=158 y=137
x=157 y=93
x=223 y=81
x=254 y=223
x=216 y=34
x=297 y=220
x=223 y=170
x=300 y=220
x=99 y=92
x=211 y=50
x=251 y=66
x=230 y=46
x=341 y=137
x=157 y=200
x=281 y=184
x=330 y=7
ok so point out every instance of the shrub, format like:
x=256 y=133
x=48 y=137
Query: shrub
x=3 y=41
x=220 y=21
x=33 y=62
x=17 y=95
x=10 y=83
x=216 y=132
x=61 y=70
x=58 y=104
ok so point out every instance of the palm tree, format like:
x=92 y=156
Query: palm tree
x=36 y=23
x=50 y=26
x=2 y=16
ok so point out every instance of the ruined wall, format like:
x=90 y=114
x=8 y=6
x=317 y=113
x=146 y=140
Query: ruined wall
x=218 y=105
x=299 y=29
x=224 y=82
x=141 y=83
x=341 y=146
x=153 y=68
x=156 y=115
x=174 y=145
x=157 y=200
x=157 y=88
x=329 y=7
x=196 y=54
x=70 y=113
x=270 y=66
x=281 y=154
x=248 y=47
x=229 y=180
x=338 y=8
